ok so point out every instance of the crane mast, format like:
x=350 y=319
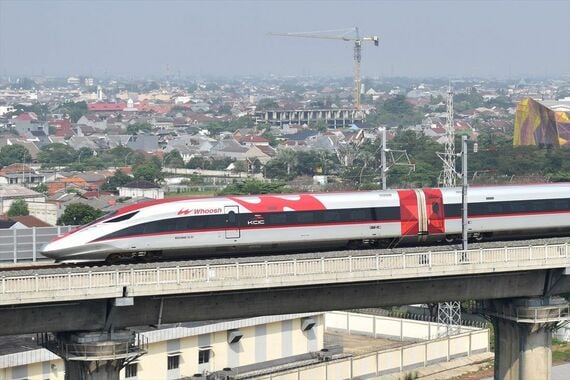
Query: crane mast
x=350 y=34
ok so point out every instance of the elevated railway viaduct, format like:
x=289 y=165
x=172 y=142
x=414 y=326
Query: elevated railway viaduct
x=517 y=285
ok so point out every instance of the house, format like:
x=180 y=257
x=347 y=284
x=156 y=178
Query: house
x=141 y=188
x=20 y=174
x=146 y=143
x=229 y=148
x=10 y=193
x=28 y=122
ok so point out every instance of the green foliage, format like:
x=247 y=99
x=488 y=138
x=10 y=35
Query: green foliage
x=57 y=154
x=267 y=104
x=208 y=163
x=148 y=171
x=11 y=154
x=137 y=128
x=252 y=187
x=174 y=159
x=78 y=214
x=117 y=180
x=40 y=109
x=394 y=112
x=321 y=126
x=41 y=188
x=74 y=109
x=289 y=164
x=271 y=138
x=466 y=101
x=18 y=208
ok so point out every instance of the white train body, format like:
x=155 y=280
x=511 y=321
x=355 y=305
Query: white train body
x=265 y=223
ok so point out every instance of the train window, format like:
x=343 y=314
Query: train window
x=164 y=225
x=182 y=224
x=435 y=207
x=198 y=222
x=121 y=218
x=519 y=207
x=278 y=219
x=560 y=204
x=305 y=217
x=331 y=216
x=231 y=218
x=495 y=209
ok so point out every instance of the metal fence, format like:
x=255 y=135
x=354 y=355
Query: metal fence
x=82 y=283
x=24 y=244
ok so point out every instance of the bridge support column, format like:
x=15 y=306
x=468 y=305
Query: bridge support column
x=523 y=335
x=94 y=355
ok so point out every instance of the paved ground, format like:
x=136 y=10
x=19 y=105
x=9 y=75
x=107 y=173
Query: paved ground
x=358 y=344
x=449 y=370
x=559 y=372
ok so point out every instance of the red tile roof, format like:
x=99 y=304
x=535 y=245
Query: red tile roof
x=106 y=107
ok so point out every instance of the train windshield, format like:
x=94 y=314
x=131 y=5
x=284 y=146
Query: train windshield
x=121 y=218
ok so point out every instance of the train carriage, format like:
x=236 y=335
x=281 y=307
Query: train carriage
x=267 y=223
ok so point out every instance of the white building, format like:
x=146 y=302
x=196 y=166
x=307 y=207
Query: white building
x=191 y=348
x=141 y=189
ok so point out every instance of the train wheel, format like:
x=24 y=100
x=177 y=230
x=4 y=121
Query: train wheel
x=478 y=237
x=113 y=259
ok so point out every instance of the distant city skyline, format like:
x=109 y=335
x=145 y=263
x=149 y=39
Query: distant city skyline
x=502 y=39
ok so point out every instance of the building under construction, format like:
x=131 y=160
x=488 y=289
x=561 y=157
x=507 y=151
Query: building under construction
x=544 y=123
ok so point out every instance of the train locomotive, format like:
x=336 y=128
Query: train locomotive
x=187 y=227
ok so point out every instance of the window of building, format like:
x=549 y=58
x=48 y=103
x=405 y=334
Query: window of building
x=204 y=356
x=131 y=370
x=173 y=361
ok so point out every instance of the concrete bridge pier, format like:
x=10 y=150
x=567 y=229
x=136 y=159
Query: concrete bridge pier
x=523 y=335
x=94 y=355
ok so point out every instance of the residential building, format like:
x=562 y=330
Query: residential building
x=141 y=189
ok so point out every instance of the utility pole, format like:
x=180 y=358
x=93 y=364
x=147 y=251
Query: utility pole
x=396 y=157
x=383 y=157
x=464 y=203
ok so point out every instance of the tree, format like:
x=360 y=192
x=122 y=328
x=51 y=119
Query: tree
x=78 y=214
x=148 y=171
x=266 y=104
x=41 y=188
x=117 y=180
x=10 y=154
x=57 y=154
x=75 y=110
x=174 y=159
x=18 y=208
x=135 y=128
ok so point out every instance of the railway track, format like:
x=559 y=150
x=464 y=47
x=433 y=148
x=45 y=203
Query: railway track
x=21 y=269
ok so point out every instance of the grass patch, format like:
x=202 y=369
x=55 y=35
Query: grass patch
x=560 y=351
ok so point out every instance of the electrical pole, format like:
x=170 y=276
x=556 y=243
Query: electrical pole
x=464 y=221
x=383 y=157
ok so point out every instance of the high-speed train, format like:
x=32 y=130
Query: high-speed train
x=177 y=227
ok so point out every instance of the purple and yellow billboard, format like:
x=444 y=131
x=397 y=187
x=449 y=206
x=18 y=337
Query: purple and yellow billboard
x=537 y=124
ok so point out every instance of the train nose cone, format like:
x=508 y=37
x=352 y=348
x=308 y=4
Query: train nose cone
x=49 y=250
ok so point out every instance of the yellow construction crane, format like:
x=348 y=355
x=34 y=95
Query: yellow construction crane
x=350 y=34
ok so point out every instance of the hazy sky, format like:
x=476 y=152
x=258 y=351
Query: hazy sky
x=417 y=38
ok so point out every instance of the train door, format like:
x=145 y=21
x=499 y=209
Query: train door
x=435 y=211
x=408 y=212
x=413 y=213
x=232 y=222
